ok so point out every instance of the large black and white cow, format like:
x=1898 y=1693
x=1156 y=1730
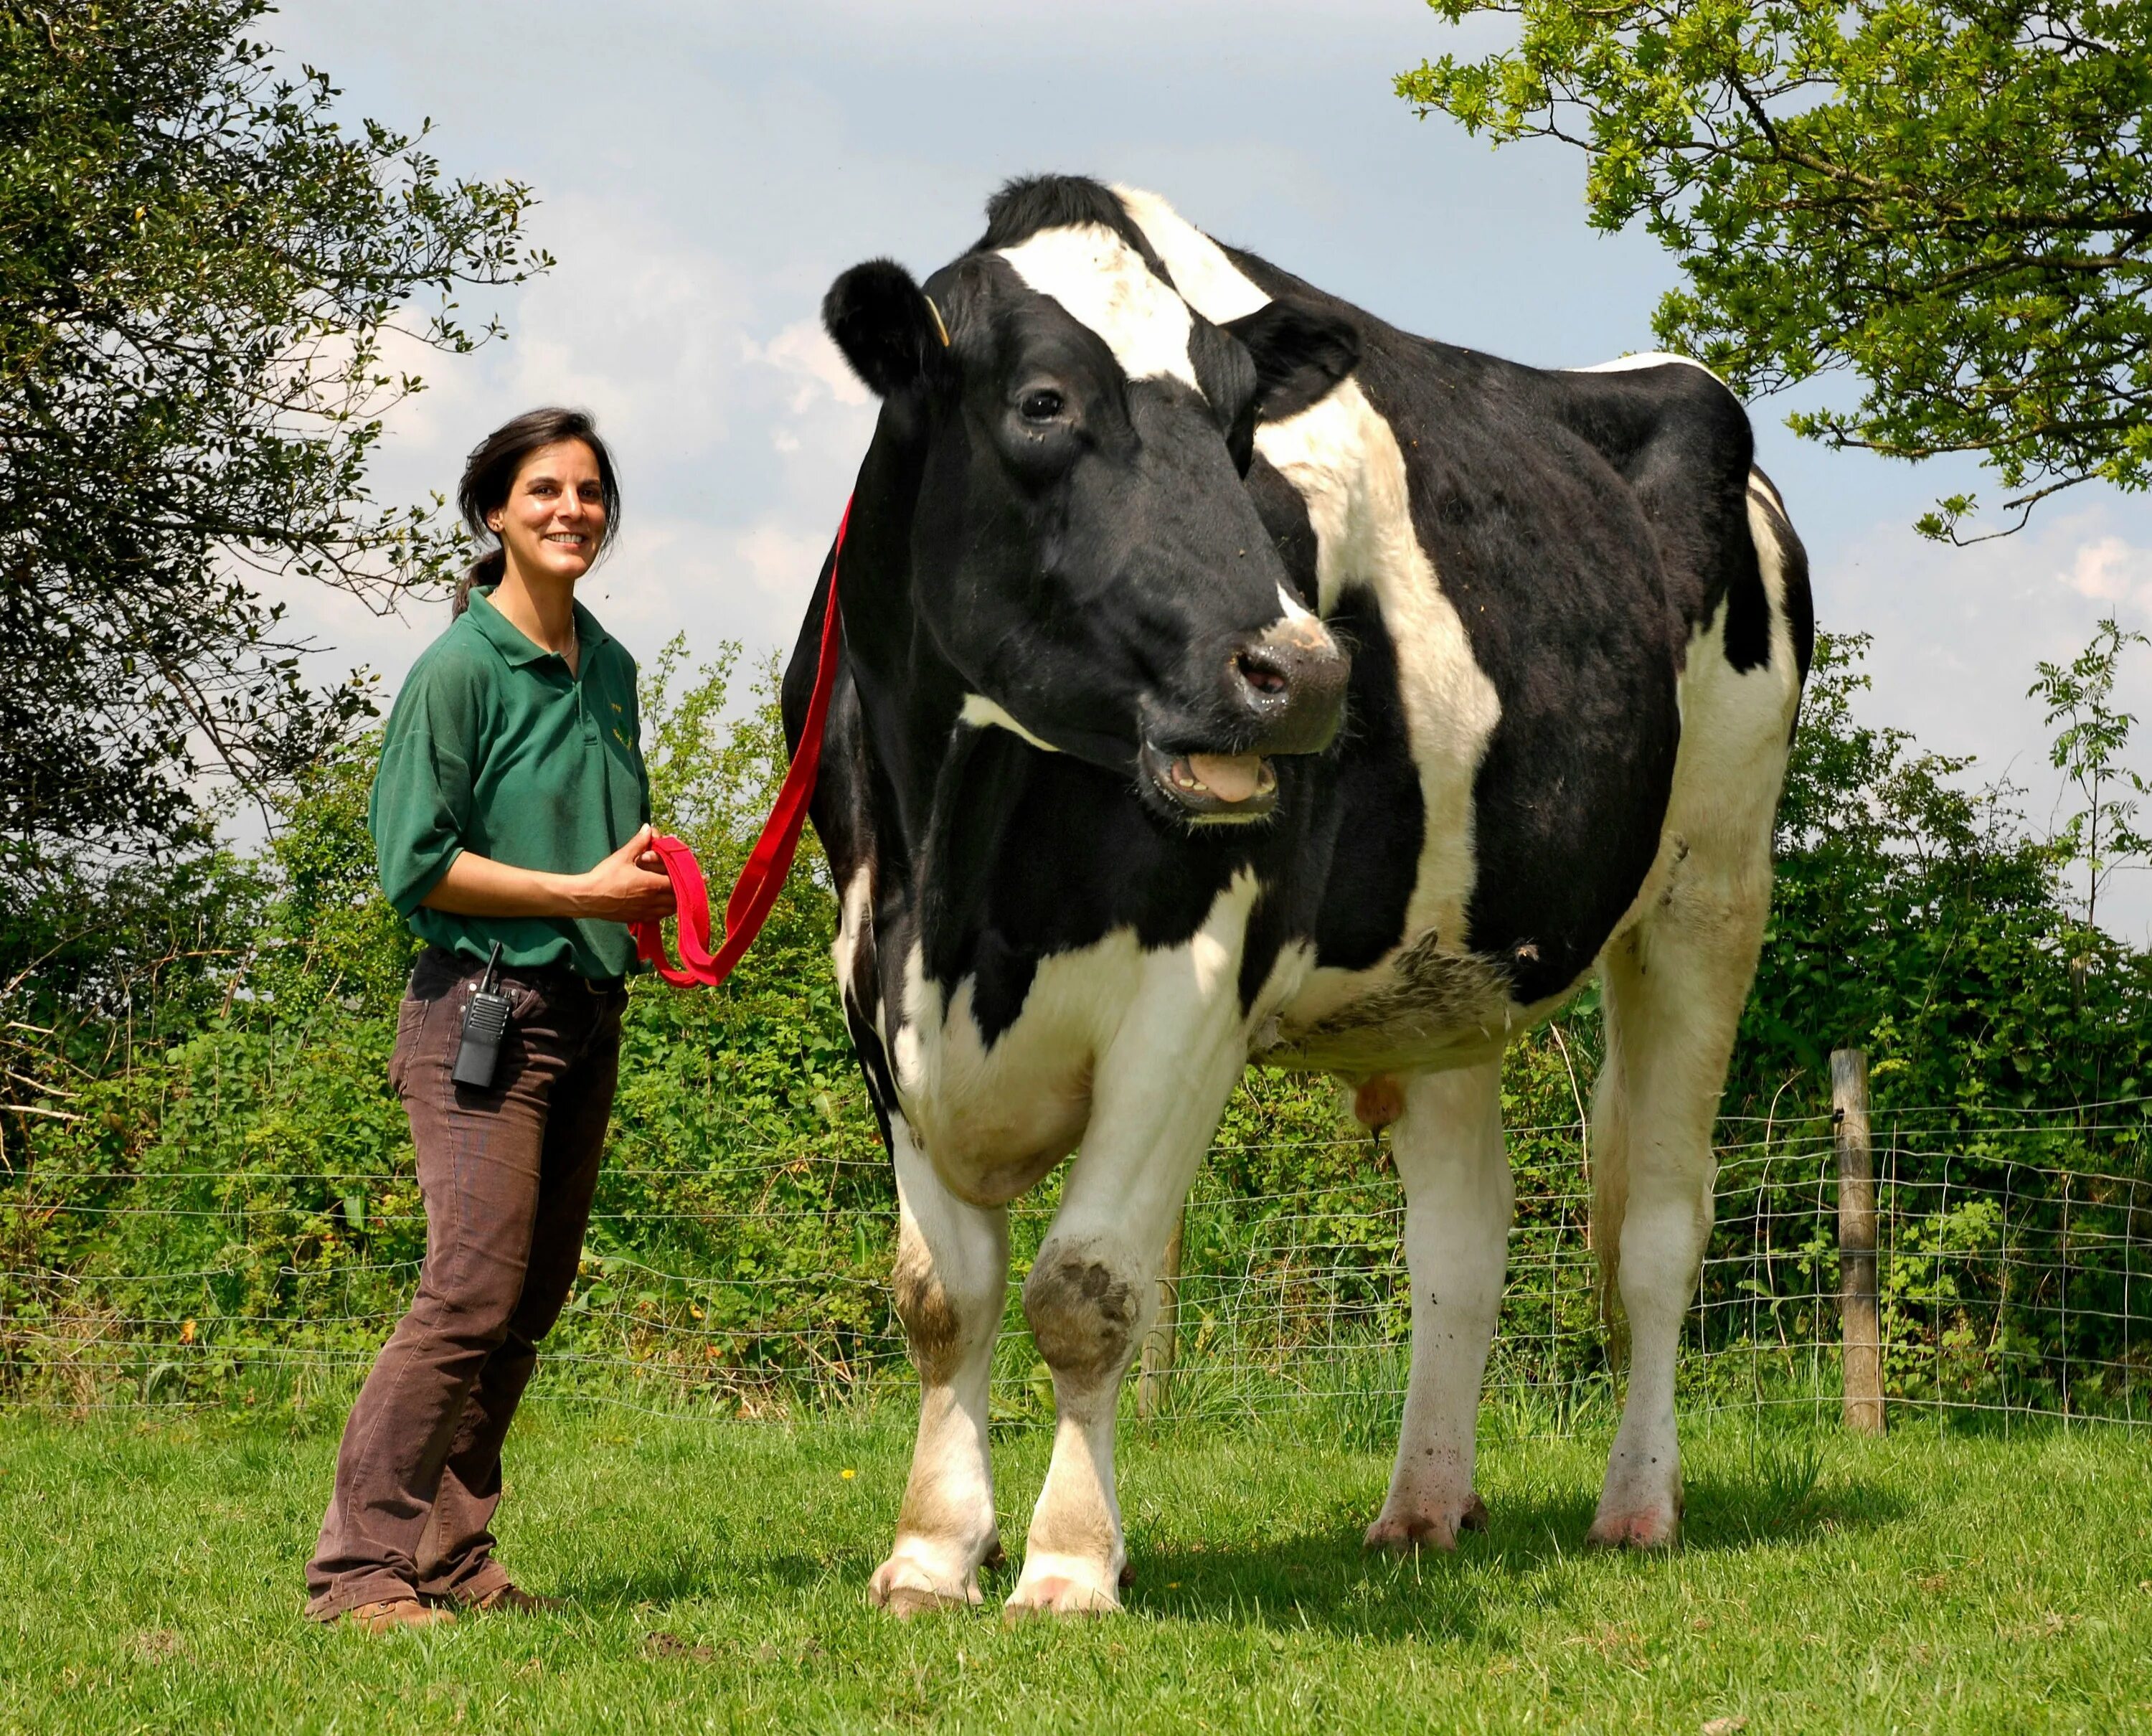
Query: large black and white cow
x=1228 y=674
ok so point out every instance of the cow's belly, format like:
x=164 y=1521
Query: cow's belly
x=1424 y=1010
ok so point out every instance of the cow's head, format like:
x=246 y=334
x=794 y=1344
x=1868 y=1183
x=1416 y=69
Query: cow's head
x=1083 y=550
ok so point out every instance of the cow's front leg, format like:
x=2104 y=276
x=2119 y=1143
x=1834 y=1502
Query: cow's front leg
x=950 y=1282
x=1448 y=1145
x=1089 y=1301
x=1093 y=1291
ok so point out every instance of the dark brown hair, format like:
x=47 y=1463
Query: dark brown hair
x=489 y=475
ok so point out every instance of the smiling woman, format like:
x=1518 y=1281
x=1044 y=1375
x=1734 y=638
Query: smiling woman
x=510 y=816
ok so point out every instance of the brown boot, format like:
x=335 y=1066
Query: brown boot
x=386 y=1617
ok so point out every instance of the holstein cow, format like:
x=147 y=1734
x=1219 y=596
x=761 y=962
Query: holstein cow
x=1111 y=811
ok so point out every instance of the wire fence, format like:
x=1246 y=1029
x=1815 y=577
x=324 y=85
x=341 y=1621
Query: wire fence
x=2014 y=1279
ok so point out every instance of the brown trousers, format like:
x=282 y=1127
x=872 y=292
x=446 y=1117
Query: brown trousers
x=507 y=1174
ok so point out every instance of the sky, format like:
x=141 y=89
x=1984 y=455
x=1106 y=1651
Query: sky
x=706 y=168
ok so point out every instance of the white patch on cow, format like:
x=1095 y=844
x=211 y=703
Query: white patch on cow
x=1760 y=485
x=1290 y=604
x=994 y=1119
x=1103 y=282
x=1212 y=284
x=855 y=910
x=1343 y=460
x=1647 y=358
x=854 y=905
x=981 y=712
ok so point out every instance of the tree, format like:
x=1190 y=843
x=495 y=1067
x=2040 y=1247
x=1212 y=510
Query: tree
x=1950 y=198
x=2088 y=751
x=199 y=269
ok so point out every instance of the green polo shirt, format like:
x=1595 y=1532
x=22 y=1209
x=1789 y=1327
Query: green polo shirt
x=493 y=747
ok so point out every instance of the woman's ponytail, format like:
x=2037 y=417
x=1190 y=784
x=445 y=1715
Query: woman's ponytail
x=489 y=475
x=484 y=572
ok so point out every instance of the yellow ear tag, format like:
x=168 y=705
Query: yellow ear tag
x=937 y=312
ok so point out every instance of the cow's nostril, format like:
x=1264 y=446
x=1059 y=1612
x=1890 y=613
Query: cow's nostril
x=1260 y=675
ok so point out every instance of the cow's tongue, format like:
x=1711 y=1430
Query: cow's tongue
x=1230 y=777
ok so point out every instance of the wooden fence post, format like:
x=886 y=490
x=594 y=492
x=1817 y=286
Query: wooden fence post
x=1163 y=1344
x=1860 y=1320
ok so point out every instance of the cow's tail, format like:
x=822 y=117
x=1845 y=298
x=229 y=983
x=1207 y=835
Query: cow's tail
x=1610 y=1193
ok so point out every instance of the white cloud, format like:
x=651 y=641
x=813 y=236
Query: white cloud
x=783 y=561
x=2111 y=570
x=804 y=353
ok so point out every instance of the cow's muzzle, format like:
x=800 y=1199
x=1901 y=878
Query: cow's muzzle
x=1282 y=693
x=1289 y=688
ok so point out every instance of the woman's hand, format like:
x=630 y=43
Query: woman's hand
x=629 y=886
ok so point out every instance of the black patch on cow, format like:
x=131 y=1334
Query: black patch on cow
x=1747 y=616
x=1380 y=815
x=1300 y=352
x=874 y=1069
x=1682 y=443
x=1032 y=202
x=1074 y=857
x=1284 y=515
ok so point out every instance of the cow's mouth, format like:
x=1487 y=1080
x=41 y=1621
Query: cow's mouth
x=1214 y=787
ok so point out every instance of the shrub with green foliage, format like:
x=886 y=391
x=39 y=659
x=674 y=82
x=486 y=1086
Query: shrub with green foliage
x=213 y=1188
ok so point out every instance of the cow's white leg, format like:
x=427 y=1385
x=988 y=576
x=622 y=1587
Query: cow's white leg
x=1160 y=1088
x=1447 y=1146
x=950 y=1282
x=1675 y=984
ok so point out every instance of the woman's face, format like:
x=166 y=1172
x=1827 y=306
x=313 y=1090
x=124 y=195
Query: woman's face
x=554 y=518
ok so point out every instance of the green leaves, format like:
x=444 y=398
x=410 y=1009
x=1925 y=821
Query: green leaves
x=202 y=277
x=1918 y=917
x=2101 y=836
x=1953 y=201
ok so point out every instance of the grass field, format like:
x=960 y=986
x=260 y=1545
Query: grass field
x=714 y=1575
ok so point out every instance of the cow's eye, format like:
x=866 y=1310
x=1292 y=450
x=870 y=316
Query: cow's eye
x=1043 y=405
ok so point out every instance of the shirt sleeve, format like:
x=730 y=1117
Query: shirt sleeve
x=420 y=810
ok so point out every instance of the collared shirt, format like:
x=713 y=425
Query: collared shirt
x=493 y=747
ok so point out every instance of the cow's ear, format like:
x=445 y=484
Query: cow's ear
x=888 y=330
x=1300 y=352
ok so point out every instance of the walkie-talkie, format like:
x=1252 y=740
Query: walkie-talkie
x=485 y=1023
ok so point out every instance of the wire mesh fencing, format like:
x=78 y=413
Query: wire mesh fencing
x=2014 y=1281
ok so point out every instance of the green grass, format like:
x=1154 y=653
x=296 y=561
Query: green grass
x=150 y=1580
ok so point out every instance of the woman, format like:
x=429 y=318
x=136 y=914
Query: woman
x=510 y=810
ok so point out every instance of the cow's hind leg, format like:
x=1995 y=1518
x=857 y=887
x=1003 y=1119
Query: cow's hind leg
x=950 y=1282
x=1675 y=983
x=1447 y=1146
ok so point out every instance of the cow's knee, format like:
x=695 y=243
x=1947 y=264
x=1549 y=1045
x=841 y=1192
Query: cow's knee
x=944 y=1317
x=1085 y=1305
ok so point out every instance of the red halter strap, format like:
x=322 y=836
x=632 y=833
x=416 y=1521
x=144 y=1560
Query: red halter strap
x=771 y=860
